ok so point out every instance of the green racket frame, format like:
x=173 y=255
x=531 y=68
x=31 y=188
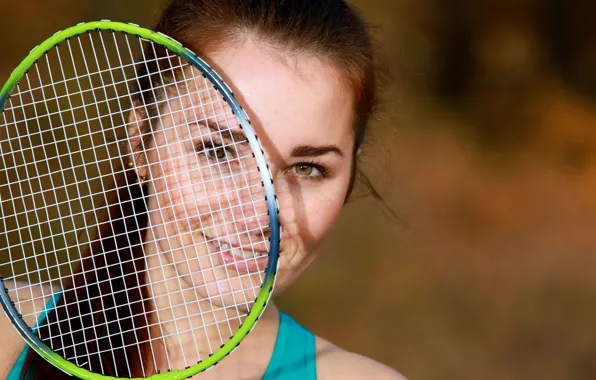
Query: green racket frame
x=275 y=230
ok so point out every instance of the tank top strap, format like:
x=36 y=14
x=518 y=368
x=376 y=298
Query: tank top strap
x=15 y=372
x=294 y=356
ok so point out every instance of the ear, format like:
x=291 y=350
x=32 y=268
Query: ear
x=136 y=143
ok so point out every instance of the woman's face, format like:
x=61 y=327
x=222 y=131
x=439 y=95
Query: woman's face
x=303 y=116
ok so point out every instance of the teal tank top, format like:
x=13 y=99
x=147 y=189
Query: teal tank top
x=293 y=358
x=15 y=372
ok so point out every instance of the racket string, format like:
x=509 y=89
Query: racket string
x=65 y=141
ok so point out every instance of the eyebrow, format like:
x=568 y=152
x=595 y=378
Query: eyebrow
x=300 y=151
x=235 y=135
x=315 y=151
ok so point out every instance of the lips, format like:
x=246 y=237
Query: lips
x=239 y=252
x=241 y=259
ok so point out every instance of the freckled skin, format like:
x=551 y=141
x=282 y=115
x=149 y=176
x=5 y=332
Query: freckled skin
x=292 y=103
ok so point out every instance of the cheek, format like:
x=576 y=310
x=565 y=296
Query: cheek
x=323 y=214
x=193 y=196
x=173 y=196
x=308 y=212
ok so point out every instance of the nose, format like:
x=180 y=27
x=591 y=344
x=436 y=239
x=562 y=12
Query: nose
x=252 y=217
x=251 y=213
x=247 y=214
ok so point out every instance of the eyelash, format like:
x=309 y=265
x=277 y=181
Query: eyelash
x=324 y=172
x=212 y=146
x=207 y=146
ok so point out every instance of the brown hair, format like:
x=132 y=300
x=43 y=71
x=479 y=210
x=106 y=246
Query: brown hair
x=330 y=30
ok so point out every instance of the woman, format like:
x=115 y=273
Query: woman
x=305 y=72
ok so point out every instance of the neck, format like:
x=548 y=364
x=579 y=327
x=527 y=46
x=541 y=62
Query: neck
x=187 y=327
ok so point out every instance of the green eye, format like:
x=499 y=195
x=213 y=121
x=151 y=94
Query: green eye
x=304 y=170
x=308 y=170
x=217 y=153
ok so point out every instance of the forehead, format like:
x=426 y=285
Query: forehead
x=197 y=96
x=291 y=100
x=192 y=98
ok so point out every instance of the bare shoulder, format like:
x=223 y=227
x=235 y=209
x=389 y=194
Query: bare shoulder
x=31 y=299
x=336 y=363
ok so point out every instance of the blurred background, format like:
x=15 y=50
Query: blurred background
x=485 y=148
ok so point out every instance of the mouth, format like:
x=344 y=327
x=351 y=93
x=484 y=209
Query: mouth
x=241 y=259
x=238 y=252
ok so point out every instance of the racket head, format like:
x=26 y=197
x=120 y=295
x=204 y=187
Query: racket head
x=11 y=305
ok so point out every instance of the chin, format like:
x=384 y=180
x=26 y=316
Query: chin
x=220 y=287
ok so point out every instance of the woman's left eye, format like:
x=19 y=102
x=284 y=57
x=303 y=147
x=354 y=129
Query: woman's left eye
x=308 y=170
